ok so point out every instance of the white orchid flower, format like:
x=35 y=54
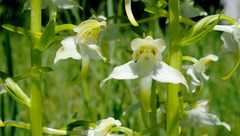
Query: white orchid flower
x=147 y=64
x=86 y=39
x=129 y=13
x=198 y=116
x=231 y=41
x=103 y=127
x=188 y=10
x=197 y=71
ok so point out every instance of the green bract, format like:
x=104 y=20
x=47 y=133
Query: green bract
x=14 y=90
x=195 y=34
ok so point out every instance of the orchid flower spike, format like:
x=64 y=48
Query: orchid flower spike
x=86 y=39
x=129 y=13
x=231 y=41
x=146 y=65
x=198 y=116
x=197 y=71
x=103 y=127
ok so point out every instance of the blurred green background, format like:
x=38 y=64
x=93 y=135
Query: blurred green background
x=61 y=100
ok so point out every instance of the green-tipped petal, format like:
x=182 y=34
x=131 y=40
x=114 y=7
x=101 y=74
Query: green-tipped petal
x=94 y=52
x=85 y=64
x=145 y=88
x=88 y=30
x=166 y=74
x=125 y=71
x=68 y=50
x=129 y=12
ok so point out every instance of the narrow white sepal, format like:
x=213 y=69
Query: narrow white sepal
x=224 y=28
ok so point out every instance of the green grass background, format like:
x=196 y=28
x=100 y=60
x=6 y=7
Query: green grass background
x=61 y=100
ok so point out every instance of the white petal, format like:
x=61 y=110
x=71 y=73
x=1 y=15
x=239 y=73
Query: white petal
x=125 y=71
x=194 y=82
x=129 y=12
x=65 y=4
x=94 y=52
x=224 y=28
x=68 y=50
x=229 y=43
x=166 y=74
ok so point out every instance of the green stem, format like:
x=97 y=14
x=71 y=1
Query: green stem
x=175 y=62
x=47 y=130
x=36 y=81
x=153 y=114
x=199 y=93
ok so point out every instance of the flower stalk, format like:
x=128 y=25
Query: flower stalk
x=36 y=85
x=175 y=62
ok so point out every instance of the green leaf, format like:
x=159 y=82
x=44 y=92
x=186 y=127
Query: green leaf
x=195 y=33
x=13 y=89
x=34 y=71
x=47 y=37
x=21 y=30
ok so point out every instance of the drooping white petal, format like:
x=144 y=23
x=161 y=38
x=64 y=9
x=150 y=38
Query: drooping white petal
x=129 y=12
x=68 y=50
x=194 y=82
x=65 y=4
x=145 y=67
x=125 y=71
x=166 y=74
x=199 y=117
x=94 y=52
